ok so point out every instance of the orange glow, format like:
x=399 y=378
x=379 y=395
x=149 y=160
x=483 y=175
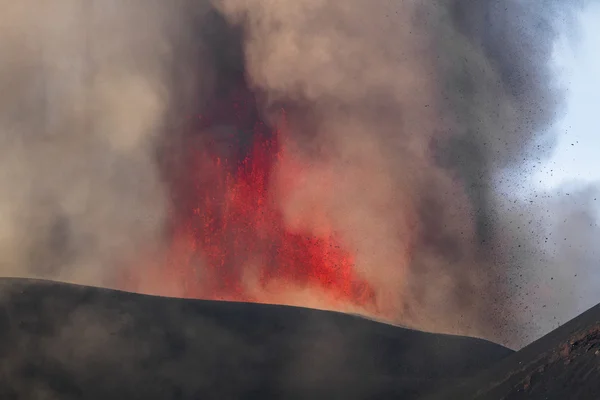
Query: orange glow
x=230 y=240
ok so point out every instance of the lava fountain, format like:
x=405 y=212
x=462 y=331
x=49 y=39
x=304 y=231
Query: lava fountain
x=229 y=239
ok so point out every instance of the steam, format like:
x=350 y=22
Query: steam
x=421 y=113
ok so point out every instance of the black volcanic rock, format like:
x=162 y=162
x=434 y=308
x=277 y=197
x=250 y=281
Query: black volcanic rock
x=60 y=341
x=565 y=364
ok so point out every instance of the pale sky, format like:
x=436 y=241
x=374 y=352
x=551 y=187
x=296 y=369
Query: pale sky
x=577 y=156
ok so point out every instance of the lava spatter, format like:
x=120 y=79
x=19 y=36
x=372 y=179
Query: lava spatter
x=230 y=240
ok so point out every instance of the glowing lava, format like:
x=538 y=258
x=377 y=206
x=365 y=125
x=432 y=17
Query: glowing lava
x=230 y=240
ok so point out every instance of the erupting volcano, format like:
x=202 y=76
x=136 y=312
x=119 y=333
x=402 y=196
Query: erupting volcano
x=229 y=238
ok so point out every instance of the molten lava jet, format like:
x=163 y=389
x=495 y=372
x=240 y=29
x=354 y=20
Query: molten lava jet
x=229 y=238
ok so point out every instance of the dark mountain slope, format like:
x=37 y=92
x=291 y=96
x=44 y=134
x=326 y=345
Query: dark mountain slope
x=565 y=364
x=60 y=341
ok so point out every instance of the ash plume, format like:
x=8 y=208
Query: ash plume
x=423 y=112
x=88 y=89
x=420 y=115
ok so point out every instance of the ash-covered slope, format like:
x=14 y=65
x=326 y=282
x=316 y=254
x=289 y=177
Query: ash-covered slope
x=60 y=341
x=565 y=364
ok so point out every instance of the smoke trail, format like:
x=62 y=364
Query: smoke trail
x=420 y=110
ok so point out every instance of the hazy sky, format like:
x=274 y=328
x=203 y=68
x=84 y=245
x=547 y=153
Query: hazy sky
x=577 y=156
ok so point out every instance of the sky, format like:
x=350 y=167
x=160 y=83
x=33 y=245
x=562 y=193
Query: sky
x=577 y=60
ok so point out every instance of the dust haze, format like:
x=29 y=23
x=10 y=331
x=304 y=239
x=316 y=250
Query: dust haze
x=423 y=113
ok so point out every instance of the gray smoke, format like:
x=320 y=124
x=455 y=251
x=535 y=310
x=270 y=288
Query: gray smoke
x=424 y=113
x=505 y=127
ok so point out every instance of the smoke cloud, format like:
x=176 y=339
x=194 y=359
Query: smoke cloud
x=423 y=112
x=421 y=115
x=87 y=91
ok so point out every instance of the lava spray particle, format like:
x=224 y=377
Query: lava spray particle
x=230 y=239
